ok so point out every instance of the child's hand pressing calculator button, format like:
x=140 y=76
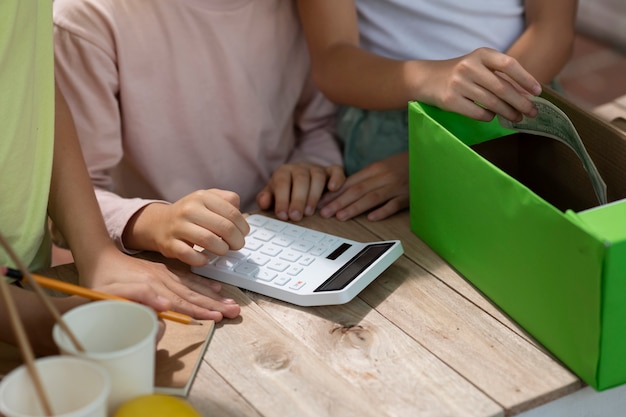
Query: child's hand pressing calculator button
x=300 y=265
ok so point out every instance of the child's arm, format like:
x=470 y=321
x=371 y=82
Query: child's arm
x=546 y=44
x=350 y=75
x=343 y=71
x=74 y=210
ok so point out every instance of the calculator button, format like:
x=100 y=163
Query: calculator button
x=244 y=253
x=294 y=270
x=259 y=259
x=293 y=231
x=247 y=269
x=307 y=260
x=226 y=263
x=235 y=254
x=282 y=280
x=256 y=220
x=282 y=241
x=279 y=266
x=253 y=244
x=297 y=285
x=302 y=246
x=329 y=240
x=290 y=256
x=275 y=226
x=265 y=275
x=312 y=236
x=264 y=235
x=318 y=250
x=271 y=250
x=212 y=257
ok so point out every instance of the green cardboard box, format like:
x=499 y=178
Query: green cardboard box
x=517 y=216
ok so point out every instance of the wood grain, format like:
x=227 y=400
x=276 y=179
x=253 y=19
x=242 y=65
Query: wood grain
x=279 y=374
x=419 y=341
x=376 y=357
x=459 y=327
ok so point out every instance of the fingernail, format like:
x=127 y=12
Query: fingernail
x=282 y=215
x=228 y=300
x=308 y=210
x=296 y=215
x=163 y=302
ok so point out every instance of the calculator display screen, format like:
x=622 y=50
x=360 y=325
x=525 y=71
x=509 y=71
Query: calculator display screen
x=354 y=267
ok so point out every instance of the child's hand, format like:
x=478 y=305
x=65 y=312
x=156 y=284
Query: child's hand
x=480 y=85
x=382 y=187
x=208 y=218
x=295 y=189
x=154 y=285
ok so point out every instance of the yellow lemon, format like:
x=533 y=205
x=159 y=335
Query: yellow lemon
x=156 y=405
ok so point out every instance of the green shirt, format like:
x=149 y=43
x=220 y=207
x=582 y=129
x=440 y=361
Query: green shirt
x=26 y=128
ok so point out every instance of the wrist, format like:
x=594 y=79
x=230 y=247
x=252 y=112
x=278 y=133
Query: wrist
x=415 y=78
x=139 y=231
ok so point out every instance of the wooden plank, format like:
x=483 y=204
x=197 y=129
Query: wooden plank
x=505 y=366
x=398 y=227
x=457 y=326
x=423 y=255
x=379 y=359
x=211 y=395
x=276 y=372
x=266 y=366
x=415 y=342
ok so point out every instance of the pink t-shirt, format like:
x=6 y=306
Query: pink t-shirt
x=172 y=96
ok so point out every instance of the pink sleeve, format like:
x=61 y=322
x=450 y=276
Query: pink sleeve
x=86 y=72
x=315 y=129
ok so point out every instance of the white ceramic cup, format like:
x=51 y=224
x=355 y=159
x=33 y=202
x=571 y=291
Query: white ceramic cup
x=120 y=336
x=74 y=387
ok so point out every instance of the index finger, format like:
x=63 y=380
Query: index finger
x=513 y=71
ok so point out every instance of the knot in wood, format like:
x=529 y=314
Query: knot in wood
x=273 y=357
x=355 y=334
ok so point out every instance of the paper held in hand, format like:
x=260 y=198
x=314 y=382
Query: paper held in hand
x=552 y=122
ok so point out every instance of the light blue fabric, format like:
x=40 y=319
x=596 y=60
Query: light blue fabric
x=368 y=136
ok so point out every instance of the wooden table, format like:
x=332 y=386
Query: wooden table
x=419 y=341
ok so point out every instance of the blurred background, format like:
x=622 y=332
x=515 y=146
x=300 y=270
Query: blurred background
x=596 y=73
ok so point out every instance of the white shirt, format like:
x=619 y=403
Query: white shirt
x=438 y=29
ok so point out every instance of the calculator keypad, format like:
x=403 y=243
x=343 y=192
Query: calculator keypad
x=276 y=252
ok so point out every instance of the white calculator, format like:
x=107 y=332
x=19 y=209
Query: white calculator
x=300 y=265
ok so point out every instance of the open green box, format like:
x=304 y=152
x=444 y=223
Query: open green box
x=517 y=216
